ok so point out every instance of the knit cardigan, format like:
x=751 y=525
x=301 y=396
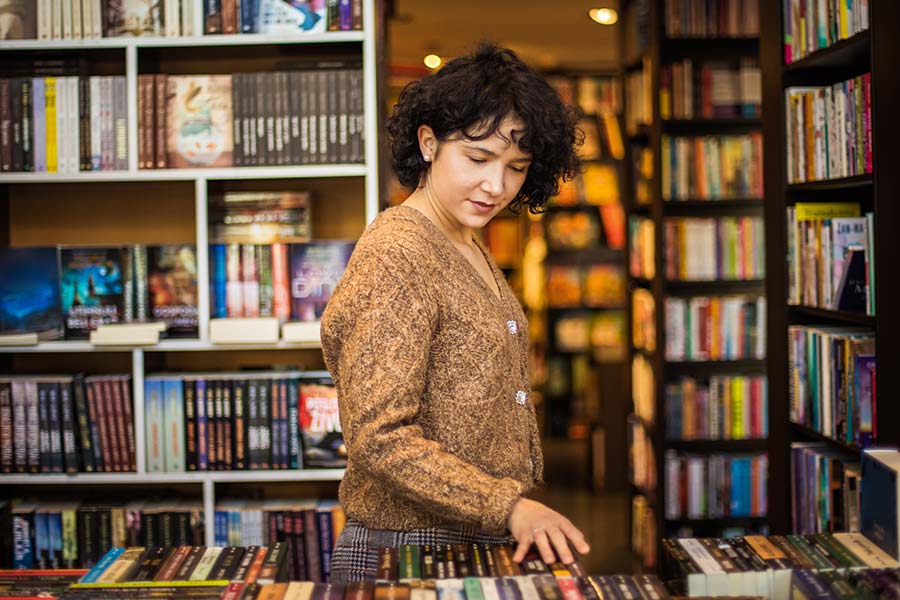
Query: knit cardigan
x=431 y=370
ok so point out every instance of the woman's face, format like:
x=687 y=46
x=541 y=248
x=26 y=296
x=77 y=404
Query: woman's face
x=473 y=180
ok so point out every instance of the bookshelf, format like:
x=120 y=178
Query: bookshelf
x=669 y=98
x=154 y=206
x=874 y=50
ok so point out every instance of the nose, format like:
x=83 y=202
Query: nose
x=493 y=181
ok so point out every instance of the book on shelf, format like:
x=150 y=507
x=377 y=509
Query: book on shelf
x=715 y=486
x=643 y=323
x=714 y=249
x=702 y=328
x=703 y=19
x=643 y=391
x=880 y=499
x=724 y=407
x=641 y=456
x=712 y=167
x=830 y=256
x=591 y=286
x=829 y=130
x=643 y=531
x=29 y=293
x=710 y=89
x=642 y=247
x=262 y=217
x=832 y=382
x=315 y=269
x=810 y=25
x=826 y=486
x=62 y=122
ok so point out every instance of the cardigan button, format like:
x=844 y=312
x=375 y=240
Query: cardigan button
x=512 y=326
x=521 y=397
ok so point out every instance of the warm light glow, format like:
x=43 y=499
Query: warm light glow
x=433 y=61
x=604 y=16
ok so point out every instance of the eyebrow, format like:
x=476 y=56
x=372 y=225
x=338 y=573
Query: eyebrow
x=491 y=153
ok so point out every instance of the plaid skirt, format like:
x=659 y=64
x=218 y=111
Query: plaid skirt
x=355 y=555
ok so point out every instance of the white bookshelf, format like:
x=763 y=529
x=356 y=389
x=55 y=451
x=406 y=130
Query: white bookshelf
x=367 y=171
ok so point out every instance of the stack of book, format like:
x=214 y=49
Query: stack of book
x=810 y=25
x=715 y=486
x=710 y=90
x=714 y=249
x=715 y=328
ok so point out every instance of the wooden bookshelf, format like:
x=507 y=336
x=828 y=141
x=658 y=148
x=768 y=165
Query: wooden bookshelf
x=876 y=50
x=157 y=206
x=662 y=51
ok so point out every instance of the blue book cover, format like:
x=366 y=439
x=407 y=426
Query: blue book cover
x=809 y=585
x=218 y=281
x=879 y=499
x=92 y=289
x=316 y=268
x=29 y=292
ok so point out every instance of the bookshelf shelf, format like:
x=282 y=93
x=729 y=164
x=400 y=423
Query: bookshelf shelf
x=713 y=367
x=584 y=256
x=703 y=47
x=175 y=478
x=843 y=183
x=709 y=126
x=707 y=208
x=718 y=445
x=163 y=346
x=232 y=173
x=806 y=314
x=722 y=286
x=850 y=53
x=122 y=43
x=717 y=523
x=814 y=436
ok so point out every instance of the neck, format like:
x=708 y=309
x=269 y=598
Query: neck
x=424 y=201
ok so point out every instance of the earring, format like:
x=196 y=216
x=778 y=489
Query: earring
x=427 y=158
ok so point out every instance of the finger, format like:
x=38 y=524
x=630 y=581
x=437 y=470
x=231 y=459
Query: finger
x=522 y=548
x=543 y=545
x=576 y=537
x=558 y=538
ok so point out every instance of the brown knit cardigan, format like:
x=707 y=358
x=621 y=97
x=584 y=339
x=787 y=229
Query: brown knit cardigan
x=432 y=379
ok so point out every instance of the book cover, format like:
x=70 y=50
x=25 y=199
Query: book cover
x=18 y=20
x=198 y=121
x=134 y=18
x=261 y=217
x=315 y=269
x=29 y=292
x=172 y=286
x=91 y=289
x=320 y=425
x=291 y=16
x=880 y=500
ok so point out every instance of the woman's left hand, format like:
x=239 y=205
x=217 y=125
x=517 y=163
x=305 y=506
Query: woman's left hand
x=532 y=522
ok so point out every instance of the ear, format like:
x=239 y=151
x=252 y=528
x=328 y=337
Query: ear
x=427 y=142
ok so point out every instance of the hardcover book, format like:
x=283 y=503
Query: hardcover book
x=320 y=424
x=134 y=18
x=880 y=496
x=199 y=121
x=29 y=292
x=172 y=284
x=91 y=289
x=18 y=20
x=316 y=268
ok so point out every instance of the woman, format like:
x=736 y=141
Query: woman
x=427 y=345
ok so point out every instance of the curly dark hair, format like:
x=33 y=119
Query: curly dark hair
x=471 y=95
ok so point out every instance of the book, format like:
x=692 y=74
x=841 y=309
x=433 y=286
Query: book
x=91 y=288
x=315 y=269
x=291 y=16
x=320 y=426
x=133 y=18
x=880 y=496
x=199 y=115
x=172 y=287
x=29 y=292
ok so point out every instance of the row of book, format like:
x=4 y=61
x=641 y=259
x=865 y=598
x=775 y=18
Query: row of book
x=279 y=280
x=238 y=421
x=594 y=94
x=831 y=259
x=715 y=485
x=638 y=100
x=829 y=130
x=712 y=249
x=703 y=328
x=597 y=184
x=832 y=382
x=711 y=18
x=643 y=320
x=643 y=531
x=260 y=217
x=826 y=489
x=590 y=286
x=71 y=533
x=811 y=25
x=94 y=19
x=59 y=424
x=726 y=407
x=641 y=456
x=778 y=566
x=310 y=114
x=642 y=247
x=583 y=227
x=643 y=389
x=711 y=167
x=63 y=124
x=38 y=583
x=600 y=333
x=280 y=16
x=71 y=290
x=710 y=90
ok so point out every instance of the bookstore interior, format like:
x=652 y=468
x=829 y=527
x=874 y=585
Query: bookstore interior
x=182 y=183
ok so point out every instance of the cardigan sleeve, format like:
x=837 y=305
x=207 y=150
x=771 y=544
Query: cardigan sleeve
x=376 y=334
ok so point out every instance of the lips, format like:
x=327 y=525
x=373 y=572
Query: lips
x=483 y=207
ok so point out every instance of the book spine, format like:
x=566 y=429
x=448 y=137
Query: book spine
x=202 y=426
x=190 y=423
x=295 y=453
x=115 y=422
x=212 y=16
x=160 y=123
x=7 y=443
x=96 y=126
x=33 y=427
x=55 y=427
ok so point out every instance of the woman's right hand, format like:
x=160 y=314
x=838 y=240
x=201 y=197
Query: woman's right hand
x=532 y=522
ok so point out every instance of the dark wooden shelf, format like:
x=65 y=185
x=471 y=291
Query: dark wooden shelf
x=719 y=286
x=812 y=435
x=844 y=54
x=856 y=181
x=693 y=207
x=708 y=47
x=641 y=282
x=584 y=256
x=804 y=315
x=634 y=65
x=710 y=126
x=720 y=522
x=641 y=209
x=748 y=445
x=715 y=367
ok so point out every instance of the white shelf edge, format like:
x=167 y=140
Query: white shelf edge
x=162 y=346
x=287 y=475
x=121 y=43
x=293 y=171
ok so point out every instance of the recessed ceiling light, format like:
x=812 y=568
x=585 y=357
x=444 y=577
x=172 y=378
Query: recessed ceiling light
x=432 y=61
x=604 y=16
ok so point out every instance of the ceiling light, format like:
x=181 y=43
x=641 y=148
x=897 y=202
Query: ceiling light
x=604 y=16
x=432 y=61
